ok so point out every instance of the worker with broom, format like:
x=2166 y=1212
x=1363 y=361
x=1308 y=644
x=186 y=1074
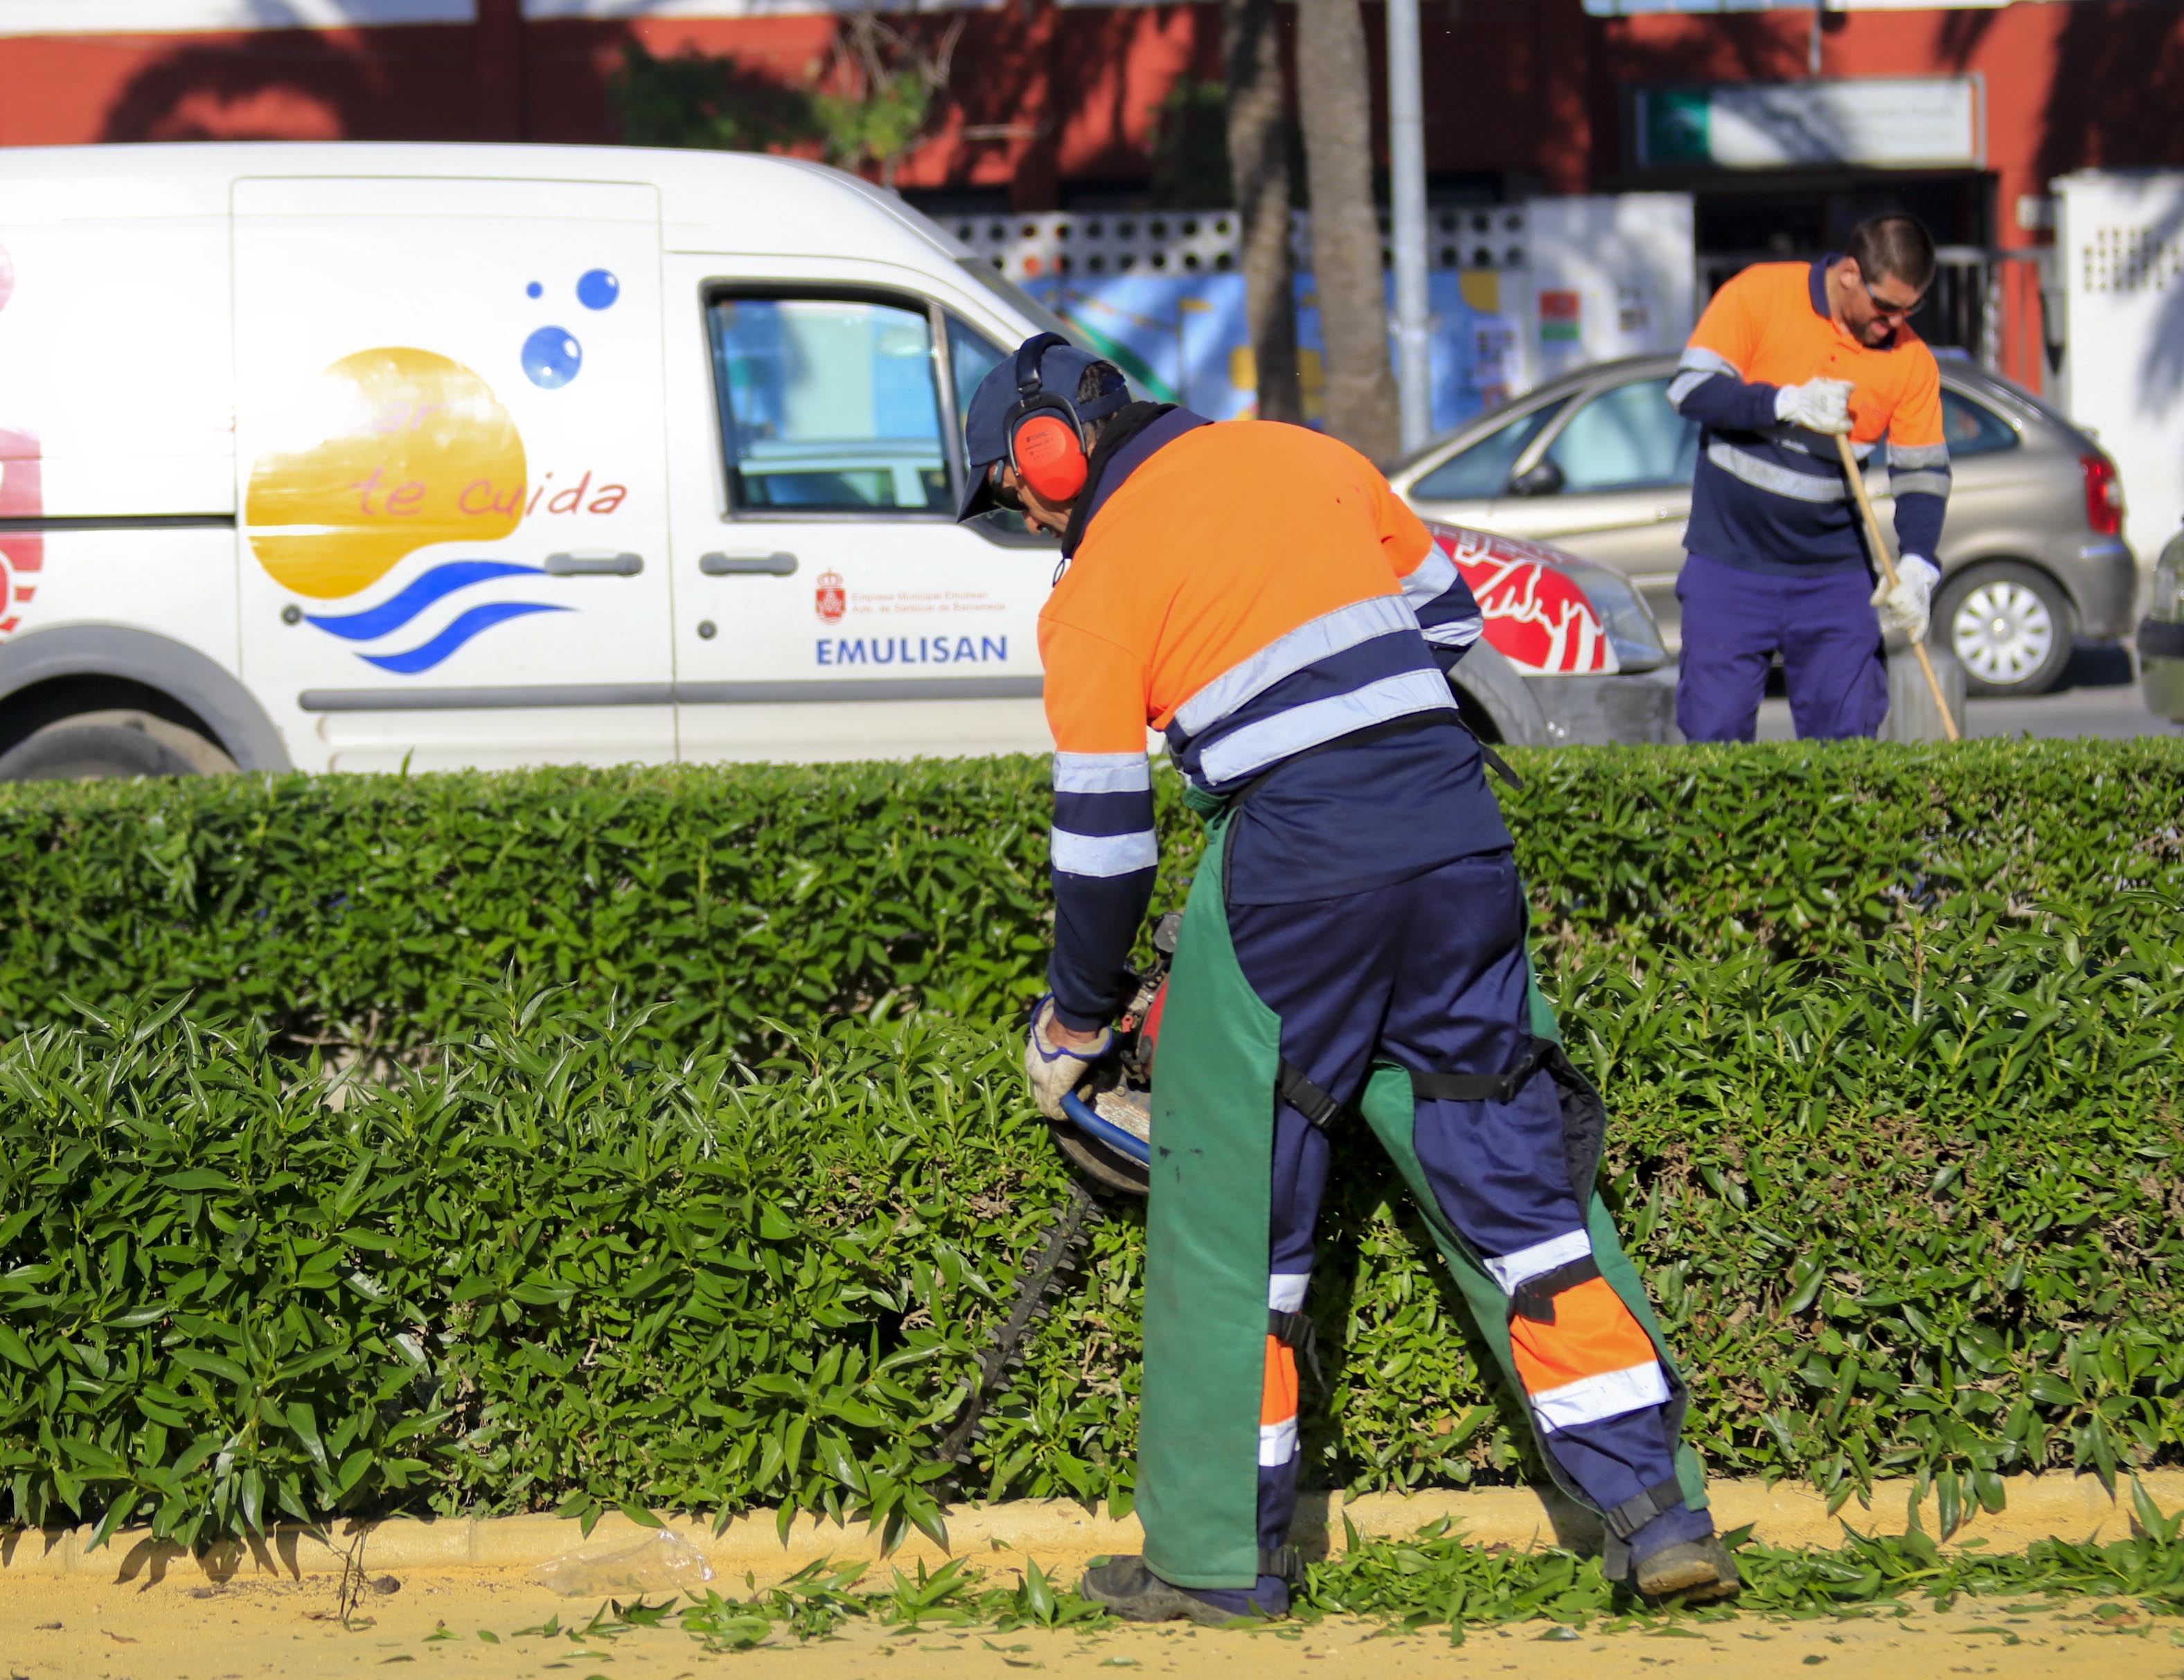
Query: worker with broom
x=1787 y=358
x=1354 y=939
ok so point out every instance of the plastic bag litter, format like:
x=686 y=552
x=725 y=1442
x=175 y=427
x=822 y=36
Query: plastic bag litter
x=661 y=1562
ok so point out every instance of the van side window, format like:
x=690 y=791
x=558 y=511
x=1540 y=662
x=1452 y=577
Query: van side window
x=971 y=357
x=828 y=406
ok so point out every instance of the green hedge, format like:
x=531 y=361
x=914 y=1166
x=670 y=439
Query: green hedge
x=1917 y=1212
x=368 y=909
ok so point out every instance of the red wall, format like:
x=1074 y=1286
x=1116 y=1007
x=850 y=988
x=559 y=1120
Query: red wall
x=1044 y=96
x=1071 y=94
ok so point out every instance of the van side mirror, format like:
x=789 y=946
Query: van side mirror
x=1541 y=478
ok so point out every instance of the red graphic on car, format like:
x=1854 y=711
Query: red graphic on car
x=22 y=553
x=831 y=600
x=1536 y=616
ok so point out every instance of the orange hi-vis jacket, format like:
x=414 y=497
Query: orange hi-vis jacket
x=1768 y=496
x=1254 y=589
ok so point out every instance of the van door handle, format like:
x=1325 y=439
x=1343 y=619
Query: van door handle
x=593 y=563
x=775 y=565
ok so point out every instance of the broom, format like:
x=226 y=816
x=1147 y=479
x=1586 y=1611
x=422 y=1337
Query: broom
x=1856 y=474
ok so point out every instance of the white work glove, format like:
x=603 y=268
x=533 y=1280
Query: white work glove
x=1052 y=1070
x=1907 y=605
x=1820 y=404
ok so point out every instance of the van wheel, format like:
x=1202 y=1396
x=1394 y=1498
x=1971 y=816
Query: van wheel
x=94 y=745
x=2011 y=627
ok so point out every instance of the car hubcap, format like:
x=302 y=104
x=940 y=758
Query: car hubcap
x=2004 y=632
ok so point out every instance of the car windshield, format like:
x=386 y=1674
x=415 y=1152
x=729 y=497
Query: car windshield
x=1480 y=470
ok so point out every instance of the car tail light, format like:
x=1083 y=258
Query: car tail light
x=2103 y=495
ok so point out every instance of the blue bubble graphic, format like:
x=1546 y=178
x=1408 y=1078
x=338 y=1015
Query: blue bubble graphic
x=534 y=290
x=598 y=290
x=552 y=357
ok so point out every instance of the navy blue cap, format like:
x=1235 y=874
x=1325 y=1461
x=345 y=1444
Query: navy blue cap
x=1060 y=367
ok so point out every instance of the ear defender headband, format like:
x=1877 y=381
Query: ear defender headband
x=1046 y=438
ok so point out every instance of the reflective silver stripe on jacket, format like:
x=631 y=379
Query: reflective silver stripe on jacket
x=1457 y=633
x=1694 y=368
x=1076 y=854
x=1820 y=446
x=1767 y=475
x=1102 y=773
x=1257 y=745
x=1431 y=579
x=1903 y=457
x=1287 y=654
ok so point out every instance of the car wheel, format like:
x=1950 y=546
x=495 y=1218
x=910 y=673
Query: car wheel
x=95 y=744
x=2010 y=626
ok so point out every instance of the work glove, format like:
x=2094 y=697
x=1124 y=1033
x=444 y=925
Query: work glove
x=1052 y=1070
x=1819 y=405
x=1907 y=605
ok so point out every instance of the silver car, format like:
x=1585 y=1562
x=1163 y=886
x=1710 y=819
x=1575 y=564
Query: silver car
x=1596 y=461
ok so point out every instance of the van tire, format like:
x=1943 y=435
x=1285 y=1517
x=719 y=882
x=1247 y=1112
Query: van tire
x=93 y=745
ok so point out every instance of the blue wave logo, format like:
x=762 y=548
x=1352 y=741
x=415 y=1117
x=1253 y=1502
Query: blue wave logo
x=434 y=586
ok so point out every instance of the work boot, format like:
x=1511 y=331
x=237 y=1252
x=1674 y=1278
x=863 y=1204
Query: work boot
x=1133 y=1592
x=1696 y=1571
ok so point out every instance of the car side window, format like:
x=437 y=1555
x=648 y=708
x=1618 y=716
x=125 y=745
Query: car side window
x=1480 y=472
x=1627 y=437
x=1969 y=429
x=829 y=405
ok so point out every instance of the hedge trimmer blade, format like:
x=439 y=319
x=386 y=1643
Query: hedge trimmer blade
x=1048 y=1267
x=1104 y=1132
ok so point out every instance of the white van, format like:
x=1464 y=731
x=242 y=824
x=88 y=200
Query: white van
x=346 y=457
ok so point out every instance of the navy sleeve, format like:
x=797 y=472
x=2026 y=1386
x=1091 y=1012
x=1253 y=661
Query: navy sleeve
x=1919 y=478
x=1709 y=390
x=1106 y=856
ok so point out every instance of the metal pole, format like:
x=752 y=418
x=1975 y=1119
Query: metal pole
x=1406 y=158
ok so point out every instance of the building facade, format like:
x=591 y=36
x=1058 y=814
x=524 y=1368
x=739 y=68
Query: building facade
x=1786 y=123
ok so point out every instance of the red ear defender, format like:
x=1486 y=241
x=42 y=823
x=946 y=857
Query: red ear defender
x=1050 y=458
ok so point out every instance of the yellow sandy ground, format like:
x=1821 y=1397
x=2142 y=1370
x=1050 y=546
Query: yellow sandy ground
x=73 y=1628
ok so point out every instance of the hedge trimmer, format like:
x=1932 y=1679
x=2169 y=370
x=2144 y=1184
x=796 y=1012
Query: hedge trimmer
x=1106 y=1137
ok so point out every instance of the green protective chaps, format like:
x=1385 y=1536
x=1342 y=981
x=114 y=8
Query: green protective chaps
x=1205 y=1317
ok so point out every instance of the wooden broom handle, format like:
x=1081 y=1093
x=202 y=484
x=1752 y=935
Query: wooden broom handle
x=1856 y=474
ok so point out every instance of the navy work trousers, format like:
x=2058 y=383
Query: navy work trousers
x=1735 y=622
x=1431 y=974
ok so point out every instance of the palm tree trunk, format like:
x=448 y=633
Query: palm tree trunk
x=1259 y=162
x=1336 y=99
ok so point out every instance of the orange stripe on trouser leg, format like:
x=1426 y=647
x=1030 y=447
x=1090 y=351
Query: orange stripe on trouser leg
x=1593 y=1333
x=1278 y=1399
x=1278 y=1406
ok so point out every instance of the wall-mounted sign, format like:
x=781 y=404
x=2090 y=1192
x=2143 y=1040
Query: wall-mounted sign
x=1562 y=317
x=1888 y=122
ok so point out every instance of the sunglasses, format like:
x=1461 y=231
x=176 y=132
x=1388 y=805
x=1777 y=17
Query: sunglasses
x=1003 y=493
x=1893 y=311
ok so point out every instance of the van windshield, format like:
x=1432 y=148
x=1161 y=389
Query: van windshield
x=982 y=270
